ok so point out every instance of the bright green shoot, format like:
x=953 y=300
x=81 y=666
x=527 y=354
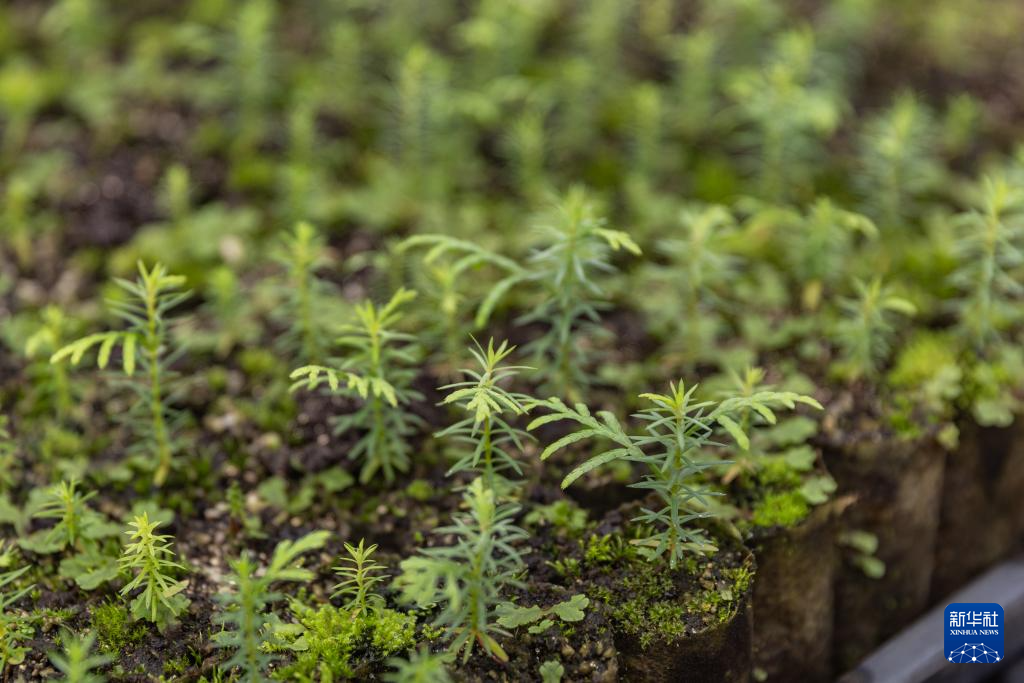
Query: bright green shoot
x=865 y=332
x=575 y=251
x=989 y=253
x=467 y=579
x=146 y=343
x=245 y=608
x=76 y=661
x=490 y=406
x=67 y=505
x=301 y=254
x=360 y=576
x=379 y=368
x=149 y=557
x=676 y=446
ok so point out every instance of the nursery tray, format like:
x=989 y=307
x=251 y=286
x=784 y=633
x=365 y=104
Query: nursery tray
x=915 y=655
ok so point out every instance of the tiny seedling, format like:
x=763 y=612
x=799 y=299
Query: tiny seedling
x=447 y=264
x=816 y=245
x=989 y=256
x=898 y=155
x=790 y=107
x=150 y=299
x=467 y=580
x=359 y=578
x=701 y=263
x=14 y=628
x=77 y=662
x=379 y=368
x=301 y=253
x=575 y=251
x=79 y=530
x=422 y=666
x=245 y=608
x=149 y=557
x=490 y=406
x=52 y=380
x=865 y=332
x=551 y=671
x=678 y=432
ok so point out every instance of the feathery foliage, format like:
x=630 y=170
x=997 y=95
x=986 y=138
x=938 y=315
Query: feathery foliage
x=574 y=253
x=359 y=579
x=146 y=342
x=701 y=261
x=300 y=254
x=898 y=155
x=487 y=431
x=790 y=107
x=675 y=443
x=866 y=329
x=421 y=667
x=149 y=557
x=245 y=609
x=467 y=580
x=76 y=661
x=989 y=256
x=378 y=366
x=448 y=262
x=14 y=628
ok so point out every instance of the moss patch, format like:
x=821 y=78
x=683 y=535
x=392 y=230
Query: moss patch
x=114 y=628
x=781 y=509
x=651 y=602
x=333 y=641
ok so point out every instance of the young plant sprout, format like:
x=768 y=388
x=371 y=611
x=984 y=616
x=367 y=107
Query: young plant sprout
x=359 y=579
x=467 y=580
x=701 y=263
x=576 y=249
x=678 y=434
x=14 y=628
x=379 y=369
x=487 y=430
x=421 y=667
x=68 y=506
x=989 y=256
x=301 y=254
x=899 y=160
x=249 y=75
x=246 y=607
x=817 y=244
x=53 y=380
x=149 y=557
x=790 y=108
x=865 y=332
x=447 y=263
x=77 y=662
x=146 y=342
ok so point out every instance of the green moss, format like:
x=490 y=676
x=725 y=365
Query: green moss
x=393 y=631
x=607 y=549
x=114 y=628
x=781 y=509
x=776 y=473
x=563 y=515
x=332 y=637
x=419 y=490
x=176 y=667
x=431 y=632
x=259 y=363
x=654 y=611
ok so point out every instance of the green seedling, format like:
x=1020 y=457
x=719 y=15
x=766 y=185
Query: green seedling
x=467 y=580
x=145 y=343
